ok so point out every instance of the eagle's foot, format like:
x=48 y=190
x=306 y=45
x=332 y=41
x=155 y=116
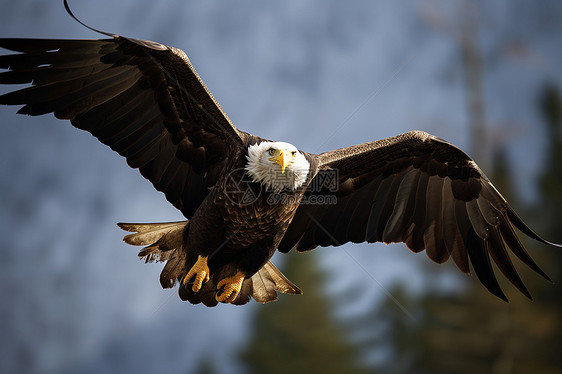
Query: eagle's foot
x=199 y=272
x=229 y=288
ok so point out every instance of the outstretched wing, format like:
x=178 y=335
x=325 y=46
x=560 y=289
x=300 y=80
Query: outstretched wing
x=142 y=99
x=418 y=189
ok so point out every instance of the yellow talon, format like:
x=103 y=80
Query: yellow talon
x=232 y=286
x=201 y=272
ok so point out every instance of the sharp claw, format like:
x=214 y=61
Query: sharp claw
x=230 y=288
x=200 y=271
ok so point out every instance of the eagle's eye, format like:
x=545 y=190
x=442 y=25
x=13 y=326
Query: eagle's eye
x=294 y=153
x=271 y=151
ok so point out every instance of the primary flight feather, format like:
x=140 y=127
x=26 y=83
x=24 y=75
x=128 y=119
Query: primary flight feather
x=245 y=197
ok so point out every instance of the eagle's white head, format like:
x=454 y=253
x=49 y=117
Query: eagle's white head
x=277 y=165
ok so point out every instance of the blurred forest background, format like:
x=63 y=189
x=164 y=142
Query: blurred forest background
x=484 y=75
x=454 y=332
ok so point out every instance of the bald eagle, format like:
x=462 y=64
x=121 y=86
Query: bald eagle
x=244 y=197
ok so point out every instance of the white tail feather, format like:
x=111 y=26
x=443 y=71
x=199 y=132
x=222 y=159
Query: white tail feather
x=268 y=280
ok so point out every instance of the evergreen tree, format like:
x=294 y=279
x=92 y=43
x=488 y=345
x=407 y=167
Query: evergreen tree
x=472 y=331
x=298 y=334
x=550 y=211
x=551 y=180
x=205 y=366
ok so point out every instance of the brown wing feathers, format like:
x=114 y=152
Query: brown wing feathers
x=142 y=99
x=417 y=189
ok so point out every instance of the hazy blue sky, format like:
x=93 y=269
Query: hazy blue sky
x=318 y=74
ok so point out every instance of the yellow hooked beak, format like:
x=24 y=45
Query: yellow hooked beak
x=282 y=158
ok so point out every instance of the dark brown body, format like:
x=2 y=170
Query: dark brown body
x=238 y=226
